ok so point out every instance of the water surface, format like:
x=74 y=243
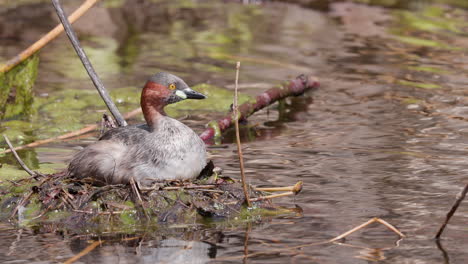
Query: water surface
x=385 y=135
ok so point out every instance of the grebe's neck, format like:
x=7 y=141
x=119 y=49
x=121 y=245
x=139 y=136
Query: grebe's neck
x=152 y=103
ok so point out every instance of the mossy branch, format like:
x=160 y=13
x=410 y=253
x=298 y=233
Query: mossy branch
x=293 y=88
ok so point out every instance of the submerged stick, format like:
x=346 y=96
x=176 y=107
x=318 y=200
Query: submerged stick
x=21 y=163
x=84 y=252
x=359 y=227
x=281 y=250
x=458 y=200
x=239 y=146
x=46 y=38
x=293 y=88
x=87 y=64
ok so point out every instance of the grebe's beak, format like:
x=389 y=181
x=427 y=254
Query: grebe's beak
x=188 y=93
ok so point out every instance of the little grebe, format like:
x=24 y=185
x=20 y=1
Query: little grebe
x=162 y=149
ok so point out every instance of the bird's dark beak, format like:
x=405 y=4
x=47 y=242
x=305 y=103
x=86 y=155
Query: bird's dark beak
x=191 y=94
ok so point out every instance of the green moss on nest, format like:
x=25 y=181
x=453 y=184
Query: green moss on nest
x=76 y=205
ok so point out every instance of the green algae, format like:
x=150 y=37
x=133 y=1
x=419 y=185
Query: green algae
x=113 y=3
x=409 y=101
x=428 y=69
x=21 y=80
x=217 y=132
x=101 y=51
x=422 y=42
x=218 y=100
x=431 y=21
x=419 y=84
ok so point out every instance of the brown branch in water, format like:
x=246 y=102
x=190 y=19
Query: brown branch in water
x=84 y=252
x=294 y=88
x=46 y=38
x=21 y=163
x=82 y=131
x=459 y=199
x=239 y=146
x=87 y=65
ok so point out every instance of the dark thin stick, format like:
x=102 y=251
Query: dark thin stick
x=87 y=64
x=444 y=252
x=452 y=211
x=246 y=242
x=137 y=194
x=21 y=163
x=239 y=146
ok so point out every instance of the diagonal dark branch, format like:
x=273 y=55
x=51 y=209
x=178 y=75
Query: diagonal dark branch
x=452 y=211
x=87 y=64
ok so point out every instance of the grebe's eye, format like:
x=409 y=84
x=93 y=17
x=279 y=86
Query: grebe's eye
x=172 y=86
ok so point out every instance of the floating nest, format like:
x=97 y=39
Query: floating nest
x=81 y=205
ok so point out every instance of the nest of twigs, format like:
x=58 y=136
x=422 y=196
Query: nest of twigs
x=78 y=203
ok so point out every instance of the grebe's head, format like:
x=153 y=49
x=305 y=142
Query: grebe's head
x=170 y=88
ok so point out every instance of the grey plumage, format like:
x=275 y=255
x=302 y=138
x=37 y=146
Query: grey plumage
x=145 y=155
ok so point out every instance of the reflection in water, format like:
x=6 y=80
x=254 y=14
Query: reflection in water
x=165 y=250
x=384 y=136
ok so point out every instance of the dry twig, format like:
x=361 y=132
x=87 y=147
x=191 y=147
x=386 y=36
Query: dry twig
x=137 y=193
x=373 y=220
x=239 y=146
x=296 y=188
x=46 y=38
